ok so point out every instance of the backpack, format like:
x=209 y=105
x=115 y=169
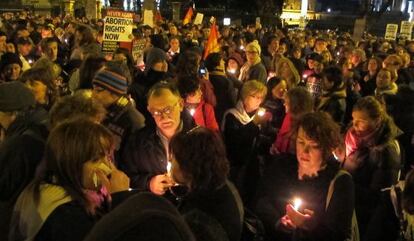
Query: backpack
x=354 y=223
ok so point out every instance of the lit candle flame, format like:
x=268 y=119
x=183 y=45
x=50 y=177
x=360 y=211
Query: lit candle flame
x=232 y=71
x=192 y=111
x=296 y=203
x=305 y=76
x=169 y=167
x=261 y=112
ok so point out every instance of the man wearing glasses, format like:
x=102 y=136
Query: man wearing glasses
x=147 y=153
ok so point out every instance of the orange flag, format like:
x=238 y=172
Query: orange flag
x=188 y=16
x=212 y=45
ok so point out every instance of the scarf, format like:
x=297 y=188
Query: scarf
x=391 y=90
x=28 y=218
x=240 y=113
x=245 y=70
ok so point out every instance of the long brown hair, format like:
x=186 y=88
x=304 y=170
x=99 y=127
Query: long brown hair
x=69 y=146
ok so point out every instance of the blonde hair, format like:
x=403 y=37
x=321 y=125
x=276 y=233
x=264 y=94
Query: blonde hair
x=253 y=87
x=296 y=77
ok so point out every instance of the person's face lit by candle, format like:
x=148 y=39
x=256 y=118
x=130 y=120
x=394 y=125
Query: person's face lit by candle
x=279 y=91
x=232 y=66
x=309 y=155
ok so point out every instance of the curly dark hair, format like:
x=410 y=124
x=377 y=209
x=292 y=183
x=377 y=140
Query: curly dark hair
x=321 y=128
x=201 y=156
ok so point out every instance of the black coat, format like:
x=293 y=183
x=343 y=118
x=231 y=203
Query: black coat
x=240 y=141
x=70 y=221
x=225 y=94
x=20 y=154
x=280 y=185
x=223 y=204
x=145 y=156
x=373 y=166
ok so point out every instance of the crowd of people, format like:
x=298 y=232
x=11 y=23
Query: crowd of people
x=307 y=132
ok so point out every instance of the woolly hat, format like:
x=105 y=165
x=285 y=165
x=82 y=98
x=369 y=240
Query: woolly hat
x=237 y=57
x=15 y=96
x=9 y=58
x=111 y=81
x=254 y=46
x=155 y=55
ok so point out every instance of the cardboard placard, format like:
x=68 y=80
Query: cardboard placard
x=138 y=47
x=198 y=19
x=406 y=29
x=359 y=28
x=149 y=18
x=391 y=31
x=117 y=30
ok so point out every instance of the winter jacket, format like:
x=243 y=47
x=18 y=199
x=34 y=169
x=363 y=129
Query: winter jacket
x=334 y=103
x=145 y=156
x=225 y=94
x=374 y=163
x=280 y=185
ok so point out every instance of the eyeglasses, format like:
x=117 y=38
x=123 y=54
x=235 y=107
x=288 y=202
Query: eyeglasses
x=98 y=89
x=167 y=111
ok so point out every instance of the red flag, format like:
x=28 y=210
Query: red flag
x=212 y=45
x=188 y=16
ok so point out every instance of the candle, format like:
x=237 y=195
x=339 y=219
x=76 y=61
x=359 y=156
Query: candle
x=296 y=203
x=261 y=112
x=231 y=71
x=192 y=111
x=169 y=167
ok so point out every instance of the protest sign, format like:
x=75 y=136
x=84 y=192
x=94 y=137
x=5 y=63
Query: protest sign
x=391 y=31
x=406 y=29
x=359 y=28
x=138 y=47
x=198 y=19
x=149 y=18
x=117 y=30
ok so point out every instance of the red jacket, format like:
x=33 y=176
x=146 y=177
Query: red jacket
x=204 y=116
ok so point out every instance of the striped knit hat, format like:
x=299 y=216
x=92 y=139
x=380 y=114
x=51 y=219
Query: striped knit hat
x=111 y=81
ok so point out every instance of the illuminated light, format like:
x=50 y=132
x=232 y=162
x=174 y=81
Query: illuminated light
x=297 y=202
x=231 y=71
x=30 y=61
x=226 y=21
x=261 y=112
x=304 y=8
x=169 y=167
x=192 y=111
x=338 y=53
x=305 y=76
x=241 y=47
x=328 y=10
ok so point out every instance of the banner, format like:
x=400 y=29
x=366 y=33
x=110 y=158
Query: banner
x=391 y=31
x=117 y=30
x=406 y=30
